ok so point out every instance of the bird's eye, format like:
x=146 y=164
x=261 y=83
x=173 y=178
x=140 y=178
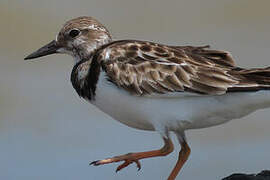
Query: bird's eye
x=74 y=32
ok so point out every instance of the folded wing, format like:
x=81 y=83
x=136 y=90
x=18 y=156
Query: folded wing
x=146 y=68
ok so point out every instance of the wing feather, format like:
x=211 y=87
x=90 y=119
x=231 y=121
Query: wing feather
x=146 y=68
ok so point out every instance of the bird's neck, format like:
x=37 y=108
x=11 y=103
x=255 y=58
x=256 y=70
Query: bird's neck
x=84 y=77
x=85 y=73
x=86 y=50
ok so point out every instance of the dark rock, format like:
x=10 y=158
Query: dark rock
x=264 y=175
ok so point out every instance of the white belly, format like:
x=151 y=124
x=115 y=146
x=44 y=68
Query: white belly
x=177 y=111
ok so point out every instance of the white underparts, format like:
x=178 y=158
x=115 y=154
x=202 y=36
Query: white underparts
x=176 y=112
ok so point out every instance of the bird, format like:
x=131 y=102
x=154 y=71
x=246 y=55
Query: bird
x=157 y=87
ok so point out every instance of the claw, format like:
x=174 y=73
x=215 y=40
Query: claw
x=138 y=165
x=95 y=163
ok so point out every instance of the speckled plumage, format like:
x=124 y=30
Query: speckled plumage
x=143 y=67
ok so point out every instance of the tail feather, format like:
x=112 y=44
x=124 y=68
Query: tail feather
x=251 y=79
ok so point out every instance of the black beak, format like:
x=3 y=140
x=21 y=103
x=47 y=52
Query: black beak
x=48 y=49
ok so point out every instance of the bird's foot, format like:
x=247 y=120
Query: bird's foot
x=127 y=158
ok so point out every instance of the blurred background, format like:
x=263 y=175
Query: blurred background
x=48 y=132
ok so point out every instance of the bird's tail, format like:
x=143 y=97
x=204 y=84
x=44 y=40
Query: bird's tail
x=251 y=79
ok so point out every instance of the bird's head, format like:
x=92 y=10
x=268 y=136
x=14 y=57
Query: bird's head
x=79 y=37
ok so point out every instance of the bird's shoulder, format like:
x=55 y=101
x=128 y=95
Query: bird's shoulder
x=143 y=67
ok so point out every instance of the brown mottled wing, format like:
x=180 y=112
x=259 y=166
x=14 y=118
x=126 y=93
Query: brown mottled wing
x=145 y=68
x=219 y=58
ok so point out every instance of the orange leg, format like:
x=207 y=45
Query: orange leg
x=182 y=158
x=135 y=157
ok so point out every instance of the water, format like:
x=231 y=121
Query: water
x=48 y=132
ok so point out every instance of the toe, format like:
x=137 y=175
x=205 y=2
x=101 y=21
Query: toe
x=123 y=165
x=138 y=164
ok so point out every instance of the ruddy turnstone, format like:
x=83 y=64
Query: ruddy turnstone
x=157 y=87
